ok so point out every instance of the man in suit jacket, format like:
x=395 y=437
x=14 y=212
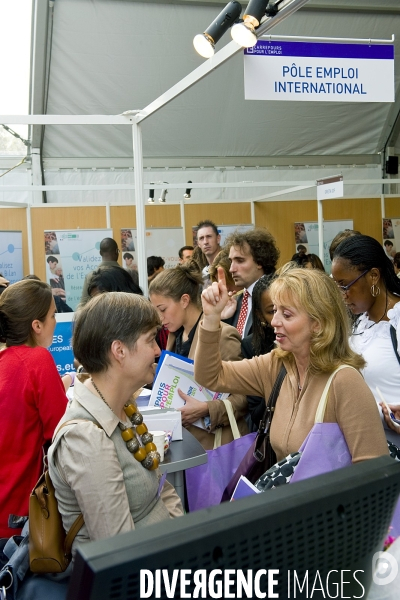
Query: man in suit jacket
x=253 y=254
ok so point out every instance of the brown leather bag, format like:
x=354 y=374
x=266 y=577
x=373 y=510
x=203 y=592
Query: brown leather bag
x=49 y=546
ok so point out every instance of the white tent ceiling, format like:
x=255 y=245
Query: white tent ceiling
x=108 y=56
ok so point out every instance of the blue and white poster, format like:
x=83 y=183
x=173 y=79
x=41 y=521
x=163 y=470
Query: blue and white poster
x=70 y=256
x=11 y=266
x=61 y=348
x=306 y=236
x=319 y=72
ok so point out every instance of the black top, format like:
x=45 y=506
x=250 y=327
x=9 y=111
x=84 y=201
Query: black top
x=183 y=348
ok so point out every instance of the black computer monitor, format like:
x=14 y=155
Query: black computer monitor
x=318 y=535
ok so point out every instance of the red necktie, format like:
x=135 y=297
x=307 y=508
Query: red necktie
x=243 y=313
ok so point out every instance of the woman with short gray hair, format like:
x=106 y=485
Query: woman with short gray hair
x=104 y=463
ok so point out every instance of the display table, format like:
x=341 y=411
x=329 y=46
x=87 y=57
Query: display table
x=182 y=454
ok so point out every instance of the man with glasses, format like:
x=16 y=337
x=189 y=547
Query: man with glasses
x=109 y=252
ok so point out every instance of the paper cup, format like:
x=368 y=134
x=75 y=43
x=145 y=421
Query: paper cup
x=159 y=441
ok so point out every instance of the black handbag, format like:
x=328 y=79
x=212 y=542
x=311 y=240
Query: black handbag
x=260 y=456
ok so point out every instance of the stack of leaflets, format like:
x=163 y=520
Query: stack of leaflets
x=177 y=372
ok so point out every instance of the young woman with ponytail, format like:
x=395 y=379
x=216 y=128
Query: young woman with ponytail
x=175 y=294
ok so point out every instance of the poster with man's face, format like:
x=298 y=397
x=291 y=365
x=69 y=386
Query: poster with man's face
x=391 y=236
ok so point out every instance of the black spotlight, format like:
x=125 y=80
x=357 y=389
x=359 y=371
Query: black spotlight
x=151 y=195
x=244 y=32
x=204 y=43
x=187 y=195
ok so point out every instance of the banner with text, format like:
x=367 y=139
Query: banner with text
x=61 y=348
x=11 y=255
x=308 y=71
x=70 y=256
x=306 y=236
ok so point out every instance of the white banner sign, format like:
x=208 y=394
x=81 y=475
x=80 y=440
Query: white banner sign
x=306 y=236
x=159 y=242
x=321 y=72
x=330 y=187
x=70 y=256
x=11 y=255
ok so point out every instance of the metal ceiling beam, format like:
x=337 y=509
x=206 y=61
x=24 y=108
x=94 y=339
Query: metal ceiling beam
x=287 y=8
x=391 y=130
x=359 y=6
x=208 y=162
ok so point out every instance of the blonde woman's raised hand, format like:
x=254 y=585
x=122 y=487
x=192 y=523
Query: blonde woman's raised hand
x=214 y=299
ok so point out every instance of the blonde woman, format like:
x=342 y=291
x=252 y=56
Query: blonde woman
x=312 y=330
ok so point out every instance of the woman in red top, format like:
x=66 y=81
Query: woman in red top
x=32 y=396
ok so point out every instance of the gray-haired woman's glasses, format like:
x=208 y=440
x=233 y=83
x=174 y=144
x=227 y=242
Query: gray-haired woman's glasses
x=345 y=288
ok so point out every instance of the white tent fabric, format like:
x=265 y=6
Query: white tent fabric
x=111 y=56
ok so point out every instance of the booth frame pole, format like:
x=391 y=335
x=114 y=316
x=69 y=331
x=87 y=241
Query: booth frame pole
x=253 y=213
x=140 y=207
x=182 y=213
x=30 y=242
x=321 y=231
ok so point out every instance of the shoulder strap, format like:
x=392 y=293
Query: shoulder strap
x=393 y=336
x=320 y=414
x=232 y=423
x=72 y=533
x=269 y=411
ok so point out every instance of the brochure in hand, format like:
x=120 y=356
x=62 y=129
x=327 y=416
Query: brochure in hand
x=176 y=372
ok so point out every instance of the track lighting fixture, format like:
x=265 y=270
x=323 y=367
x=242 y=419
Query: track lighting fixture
x=151 y=195
x=187 y=195
x=163 y=196
x=243 y=33
x=205 y=43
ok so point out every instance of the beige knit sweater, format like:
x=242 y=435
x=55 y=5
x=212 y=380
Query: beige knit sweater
x=350 y=404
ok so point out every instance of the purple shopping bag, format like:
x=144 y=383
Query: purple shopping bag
x=206 y=483
x=324 y=449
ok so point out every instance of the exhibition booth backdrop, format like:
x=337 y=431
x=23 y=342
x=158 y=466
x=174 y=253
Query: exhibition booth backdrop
x=277 y=216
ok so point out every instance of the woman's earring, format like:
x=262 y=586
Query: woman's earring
x=375 y=290
x=263 y=323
